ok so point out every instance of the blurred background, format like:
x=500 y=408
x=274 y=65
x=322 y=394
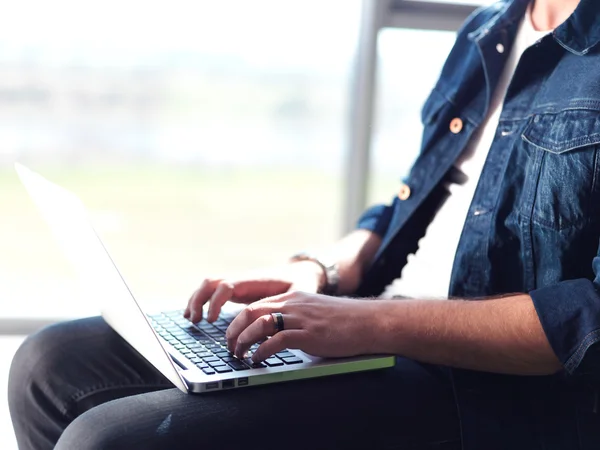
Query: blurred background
x=205 y=138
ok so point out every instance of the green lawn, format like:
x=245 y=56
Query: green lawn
x=167 y=227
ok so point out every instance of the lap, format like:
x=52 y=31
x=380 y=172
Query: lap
x=408 y=406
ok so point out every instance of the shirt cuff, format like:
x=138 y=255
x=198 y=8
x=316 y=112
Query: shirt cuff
x=376 y=219
x=570 y=315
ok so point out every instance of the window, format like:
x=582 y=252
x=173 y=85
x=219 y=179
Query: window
x=405 y=79
x=204 y=137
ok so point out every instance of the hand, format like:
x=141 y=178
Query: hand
x=303 y=275
x=316 y=324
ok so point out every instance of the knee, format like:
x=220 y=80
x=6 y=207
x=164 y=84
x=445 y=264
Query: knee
x=30 y=361
x=37 y=364
x=103 y=427
x=88 y=432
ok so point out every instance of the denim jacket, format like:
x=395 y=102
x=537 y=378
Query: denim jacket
x=533 y=225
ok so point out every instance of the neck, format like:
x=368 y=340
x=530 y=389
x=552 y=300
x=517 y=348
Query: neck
x=549 y=14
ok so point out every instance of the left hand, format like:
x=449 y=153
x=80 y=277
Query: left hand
x=316 y=324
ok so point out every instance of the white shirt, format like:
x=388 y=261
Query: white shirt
x=427 y=272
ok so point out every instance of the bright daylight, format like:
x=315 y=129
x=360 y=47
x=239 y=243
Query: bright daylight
x=369 y=223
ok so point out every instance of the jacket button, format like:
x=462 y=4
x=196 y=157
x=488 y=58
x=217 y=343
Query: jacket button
x=404 y=192
x=456 y=125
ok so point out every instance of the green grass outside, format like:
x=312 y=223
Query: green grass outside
x=167 y=227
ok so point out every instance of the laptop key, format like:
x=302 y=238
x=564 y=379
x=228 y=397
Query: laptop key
x=252 y=364
x=202 y=365
x=195 y=360
x=214 y=348
x=223 y=354
x=216 y=363
x=209 y=359
x=238 y=365
x=273 y=362
x=228 y=358
x=223 y=369
x=284 y=354
x=208 y=371
x=292 y=360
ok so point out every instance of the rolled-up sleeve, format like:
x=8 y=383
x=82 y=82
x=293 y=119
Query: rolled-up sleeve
x=570 y=315
x=376 y=219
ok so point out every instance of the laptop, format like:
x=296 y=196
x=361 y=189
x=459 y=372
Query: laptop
x=193 y=356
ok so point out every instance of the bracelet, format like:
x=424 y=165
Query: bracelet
x=332 y=275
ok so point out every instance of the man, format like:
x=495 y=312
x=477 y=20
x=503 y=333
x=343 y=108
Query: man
x=507 y=180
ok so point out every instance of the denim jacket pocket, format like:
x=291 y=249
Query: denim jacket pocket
x=563 y=167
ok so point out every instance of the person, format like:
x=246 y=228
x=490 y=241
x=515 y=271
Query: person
x=494 y=313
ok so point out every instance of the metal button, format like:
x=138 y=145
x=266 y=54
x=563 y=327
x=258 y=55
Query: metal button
x=500 y=48
x=456 y=125
x=404 y=192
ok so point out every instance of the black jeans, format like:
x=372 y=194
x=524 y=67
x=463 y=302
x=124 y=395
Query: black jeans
x=78 y=385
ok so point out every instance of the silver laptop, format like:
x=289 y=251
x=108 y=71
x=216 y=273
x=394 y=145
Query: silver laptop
x=192 y=356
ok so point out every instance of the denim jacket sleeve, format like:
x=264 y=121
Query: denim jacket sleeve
x=377 y=218
x=570 y=315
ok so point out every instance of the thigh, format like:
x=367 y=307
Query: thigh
x=410 y=406
x=65 y=370
x=81 y=364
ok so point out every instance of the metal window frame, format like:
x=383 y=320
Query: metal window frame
x=376 y=15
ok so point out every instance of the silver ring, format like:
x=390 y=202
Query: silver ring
x=278 y=321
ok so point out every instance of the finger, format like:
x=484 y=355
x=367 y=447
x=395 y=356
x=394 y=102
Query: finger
x=200 y=297
x=222 y=293
x=248 y=315
x=282 y=340
x=259 y=330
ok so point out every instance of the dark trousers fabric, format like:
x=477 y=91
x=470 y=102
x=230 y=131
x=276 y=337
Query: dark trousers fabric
x=78 y=385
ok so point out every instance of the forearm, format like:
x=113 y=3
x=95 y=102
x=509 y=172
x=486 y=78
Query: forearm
x=502 y=335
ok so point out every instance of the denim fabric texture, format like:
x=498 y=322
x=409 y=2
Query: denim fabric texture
x=533 y=225
x=79 y=386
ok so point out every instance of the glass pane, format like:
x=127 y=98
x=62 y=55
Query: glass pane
x=407 y=73
x=205 y=137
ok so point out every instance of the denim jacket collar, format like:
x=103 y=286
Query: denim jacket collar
x=578 y=34
x=581 y=31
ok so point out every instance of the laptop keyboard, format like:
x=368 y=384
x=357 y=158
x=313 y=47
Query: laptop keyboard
x=204 y=344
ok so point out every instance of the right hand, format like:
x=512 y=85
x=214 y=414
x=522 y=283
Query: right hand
x=303 y=276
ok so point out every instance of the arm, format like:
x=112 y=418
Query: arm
x=502 y=335
x=352 y=254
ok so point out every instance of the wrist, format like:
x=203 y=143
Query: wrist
x=330 y=276
x=312 y=270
